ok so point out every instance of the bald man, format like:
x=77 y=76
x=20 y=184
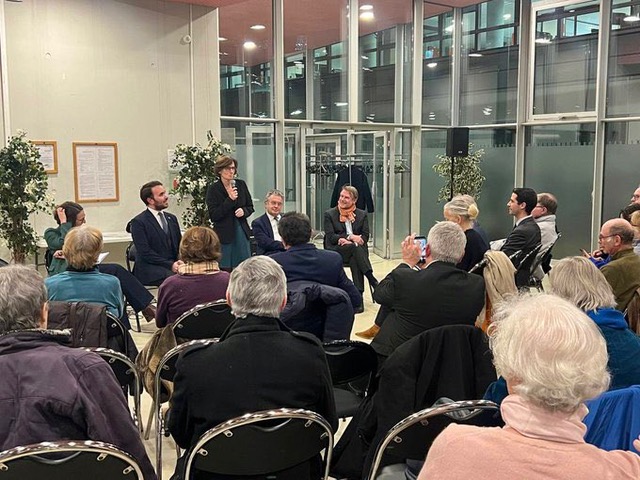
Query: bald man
x=623 y=271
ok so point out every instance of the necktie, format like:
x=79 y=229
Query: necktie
x=163 y=223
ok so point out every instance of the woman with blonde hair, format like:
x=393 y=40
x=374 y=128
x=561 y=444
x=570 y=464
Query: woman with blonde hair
x=198 y=281
x=578 y=280
x=462 y=209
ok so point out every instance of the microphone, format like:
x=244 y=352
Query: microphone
x=233 y=183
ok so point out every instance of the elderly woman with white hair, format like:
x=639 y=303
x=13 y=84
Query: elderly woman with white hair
x=553 y=358
x=580 y=282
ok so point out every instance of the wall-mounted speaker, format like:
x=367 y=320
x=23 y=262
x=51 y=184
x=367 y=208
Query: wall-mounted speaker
x=457 y=142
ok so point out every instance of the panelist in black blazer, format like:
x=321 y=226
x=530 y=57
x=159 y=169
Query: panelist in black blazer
x=346 y=231
x=229 y=204
x=265 y=227
x=426 y=295
x=156 y=236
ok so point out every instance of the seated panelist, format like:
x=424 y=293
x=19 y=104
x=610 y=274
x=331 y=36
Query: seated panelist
x=265 y=227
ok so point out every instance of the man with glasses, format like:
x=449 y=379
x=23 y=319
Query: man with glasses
x=623 y=270
x=265 y=227
x=635 y=198
x=544 y=214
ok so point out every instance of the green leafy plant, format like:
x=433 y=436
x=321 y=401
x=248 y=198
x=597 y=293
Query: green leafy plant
x=467 y=174
x=23 y=191
x=195 y=173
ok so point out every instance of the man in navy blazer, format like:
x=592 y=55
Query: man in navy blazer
x=265 y=227
x=156 y=236
x=303 y=261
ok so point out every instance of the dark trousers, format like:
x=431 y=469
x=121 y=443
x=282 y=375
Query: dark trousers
x=357 y=257
x=135 y=293
x=383 y=312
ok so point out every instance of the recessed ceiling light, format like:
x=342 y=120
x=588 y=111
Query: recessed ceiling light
x=367 y=15
x=257 y=27
x=249 y=45
x=222 y=39
x=365 y=8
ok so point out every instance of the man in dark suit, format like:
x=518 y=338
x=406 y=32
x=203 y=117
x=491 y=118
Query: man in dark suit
x=303 y=261
x=426 y=294
x=156 y=236
x=346 y=231
x=265 y=227
x=258 y=364
x=525 y=236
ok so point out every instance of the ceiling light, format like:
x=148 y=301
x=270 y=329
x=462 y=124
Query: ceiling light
x=364 y=57
x=367 y=16
x=365 y=8
x=249 y=45
x=632 y=18
x=432 y=64
x=475 y=55
x=222 y=39
x=341 y=104
x=257 y=27
x=296 y=112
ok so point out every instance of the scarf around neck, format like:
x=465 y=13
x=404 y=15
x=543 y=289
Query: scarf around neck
x=347 y=213
x=200 y=268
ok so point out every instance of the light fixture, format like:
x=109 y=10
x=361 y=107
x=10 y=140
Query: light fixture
x=367 y=16
x=341 y=104
x=475 y=55
x=249 y=45
x=633 y=16
x=257 y=27
x=432 y=64
x=365 y=8
x=222 y=39
x=364 y=57
x=296 y=112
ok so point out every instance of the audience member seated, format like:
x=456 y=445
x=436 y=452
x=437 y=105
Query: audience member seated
x=418 y=296
x=82 y=282
x=156 y=236
x=553 y=358
x=49 y=391
x=544 y=214
x=462 y=209
x=580 y=282
x=303 y=261
x=258 y=364
x=499 y=282
x=199 y=279
x=265 y=227
x=346 y=231
x=71 y=214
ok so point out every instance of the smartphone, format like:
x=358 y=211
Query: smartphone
x=422 y=241
x=584 y=252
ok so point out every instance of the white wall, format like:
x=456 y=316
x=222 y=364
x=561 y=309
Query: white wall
x=111 y=71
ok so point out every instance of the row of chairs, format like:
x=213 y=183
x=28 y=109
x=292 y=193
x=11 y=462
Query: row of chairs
x=253 y=444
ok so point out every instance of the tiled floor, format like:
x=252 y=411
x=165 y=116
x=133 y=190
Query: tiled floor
x=364 y=320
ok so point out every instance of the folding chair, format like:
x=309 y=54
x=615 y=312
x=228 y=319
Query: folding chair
x=543 y=256
x=412 y=437
x=209 y=320
x=130 y=260
x=127 y=375
x=353 y=366
x=262 y=443
x=166 y=370
x=79 y=459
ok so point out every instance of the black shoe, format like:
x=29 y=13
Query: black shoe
x=359 y=309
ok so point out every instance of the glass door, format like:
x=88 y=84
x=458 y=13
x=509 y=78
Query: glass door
x=321 y=151
x=380 y=192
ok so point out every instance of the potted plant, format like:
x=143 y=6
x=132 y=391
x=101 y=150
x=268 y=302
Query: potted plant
x=195 y=173
x=467 y=175
x=23 y=191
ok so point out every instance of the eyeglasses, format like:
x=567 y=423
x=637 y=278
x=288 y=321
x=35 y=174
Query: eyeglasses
x=602 y=237
x=230 y=168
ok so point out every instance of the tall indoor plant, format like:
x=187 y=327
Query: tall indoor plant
x=467 y=174
x=195 y=173
x=23 y=191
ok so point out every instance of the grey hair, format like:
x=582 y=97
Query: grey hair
x=22 y=295
x=257 y=286
x=578 y=280
x=463 y=206
x=447 y=242
x=549 y=352
x=272 y=192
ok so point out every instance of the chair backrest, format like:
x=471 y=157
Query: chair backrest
x=166 y=369
x=543 y=254
x=261 y=443
x=130 y=255
x=88 y=322
x=350 y=361
x=204 y=321
x=80 y=460
x=412 y=437
x=3 y=263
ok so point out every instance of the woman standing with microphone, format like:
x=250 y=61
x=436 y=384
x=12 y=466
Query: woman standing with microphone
x=229 y=203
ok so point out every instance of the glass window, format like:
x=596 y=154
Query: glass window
x=622 y=150
x=246 y=53
x=436 y=68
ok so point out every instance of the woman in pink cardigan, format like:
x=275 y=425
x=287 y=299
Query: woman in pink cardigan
x=553 y=358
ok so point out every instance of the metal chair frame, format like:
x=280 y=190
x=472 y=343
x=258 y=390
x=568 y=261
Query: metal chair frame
x=449 y=409
x=533 y=281
x=166 y=370
x=75 y=449
x=483 y=263
x=218 y=307
x=226 y=429
x=112 y=357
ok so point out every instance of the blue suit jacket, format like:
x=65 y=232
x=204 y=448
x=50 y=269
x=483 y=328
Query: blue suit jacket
x=306 y=262
x=263 y=233
x=155 y=251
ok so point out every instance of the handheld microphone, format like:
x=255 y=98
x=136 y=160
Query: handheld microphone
x=233 y=183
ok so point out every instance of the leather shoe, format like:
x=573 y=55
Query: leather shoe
x=369 y=333
x=149 y=313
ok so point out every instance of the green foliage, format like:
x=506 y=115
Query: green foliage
x=195 y=165
x=467 y=174
x=23 y=191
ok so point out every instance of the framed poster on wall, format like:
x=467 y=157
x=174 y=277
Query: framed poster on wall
x=95 y=171
x=48 y=154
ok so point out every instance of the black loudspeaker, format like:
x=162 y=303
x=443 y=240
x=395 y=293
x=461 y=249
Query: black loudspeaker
x=457 y=142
